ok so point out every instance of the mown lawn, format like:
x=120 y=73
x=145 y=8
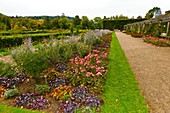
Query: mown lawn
x=5 y=109
x=121 y=92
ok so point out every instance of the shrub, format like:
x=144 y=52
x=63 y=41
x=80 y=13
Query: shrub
x=42 y=89
x=7 y=69
x=65 y=51
x=29 y=61
x=82 y=50
x=11 y=93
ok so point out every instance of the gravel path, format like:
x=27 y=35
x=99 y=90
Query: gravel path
x=151 y=66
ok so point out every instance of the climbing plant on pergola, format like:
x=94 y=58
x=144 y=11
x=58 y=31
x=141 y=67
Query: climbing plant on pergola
x=154 y=26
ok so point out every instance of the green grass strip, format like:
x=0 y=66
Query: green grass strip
x=7 y=109
x=121 y=92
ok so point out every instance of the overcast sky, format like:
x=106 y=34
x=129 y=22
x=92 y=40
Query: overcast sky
x=90 y=8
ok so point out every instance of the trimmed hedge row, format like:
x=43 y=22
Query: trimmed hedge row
x=118 y=24
x=13 y=32
x=16 y=40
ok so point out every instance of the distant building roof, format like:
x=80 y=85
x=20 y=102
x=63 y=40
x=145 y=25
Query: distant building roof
x=167 y=11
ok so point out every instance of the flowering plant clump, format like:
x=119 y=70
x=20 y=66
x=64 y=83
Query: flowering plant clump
x=56 y=82
x=2 y=91
x=60 y=92
x=80 y=98
x=10 y=82
x=81 y=95
x=30 y=101
x=157 y=41
x=68 y=107
x=88 y=70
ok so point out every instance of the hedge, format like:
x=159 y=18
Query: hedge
x=118 y=24
x=16 y=40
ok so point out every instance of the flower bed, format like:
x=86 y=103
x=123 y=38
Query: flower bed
x=157 y=41
x=74 y=74
x=137 y=35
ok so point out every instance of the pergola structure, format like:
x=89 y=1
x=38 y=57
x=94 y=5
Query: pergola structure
x=158 y=20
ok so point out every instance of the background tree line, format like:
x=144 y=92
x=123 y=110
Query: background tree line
x=60 y=22
x=48 y=22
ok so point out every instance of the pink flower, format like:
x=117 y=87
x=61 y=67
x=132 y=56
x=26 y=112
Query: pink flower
x=92 y=67
x=98 y=74
x=95 y=51
x=98 y=62
x=88 y=74
x=104 y=55
x=98 y=69
x=81 y=61
x=102 y=67
x=83 y=70
x=77 y=57
x=71 y=61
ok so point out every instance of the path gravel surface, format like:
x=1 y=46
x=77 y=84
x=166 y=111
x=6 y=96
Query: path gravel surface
x=151 y=66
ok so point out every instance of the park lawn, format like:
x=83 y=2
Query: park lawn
x=121 y=92
x=7 y=109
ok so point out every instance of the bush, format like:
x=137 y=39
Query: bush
x=7 y=70
x=42 y=89
x=29 y=61
x=11 y=93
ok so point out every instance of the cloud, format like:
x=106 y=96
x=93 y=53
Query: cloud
x=90 y=8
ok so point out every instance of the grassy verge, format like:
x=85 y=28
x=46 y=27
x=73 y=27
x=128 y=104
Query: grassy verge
x=5 y=109
x=121 y=92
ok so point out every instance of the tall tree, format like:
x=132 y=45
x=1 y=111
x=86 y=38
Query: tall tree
x=76 y=21
x=47 y=22
x=98 y=23
x=64 y=23
x=85 y=22
x=54 y=23
x=120 y=17
x=151 y=12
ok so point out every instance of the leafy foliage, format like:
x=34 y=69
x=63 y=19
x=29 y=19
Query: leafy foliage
x=29 y=101
x=11 y=93
x=10 y=82
x=157 y=41
x=68 y=106
x=7 y=69
x=42 y=89
x=56 y=82
x=81 y=95
x=88 y=70
x=60 y=92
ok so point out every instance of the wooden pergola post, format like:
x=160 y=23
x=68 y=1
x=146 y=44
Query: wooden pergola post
x=143 y=27
x=138 y=28
x=167 y=28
